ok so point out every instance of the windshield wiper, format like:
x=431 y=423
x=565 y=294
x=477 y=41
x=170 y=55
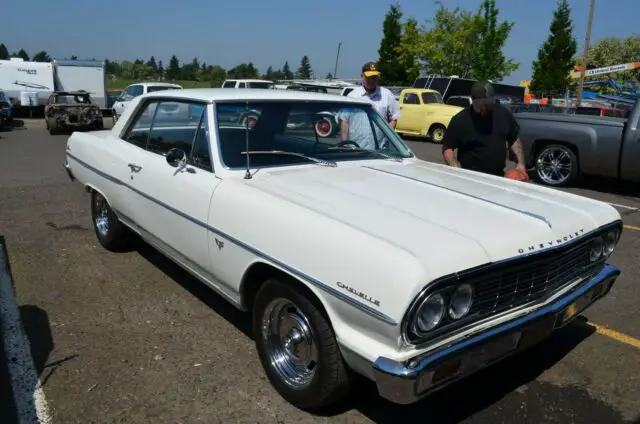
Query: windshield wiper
x=351 y=149
x=321 y=162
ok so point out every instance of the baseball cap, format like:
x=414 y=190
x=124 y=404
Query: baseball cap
x=483 y=90
x=370 y=69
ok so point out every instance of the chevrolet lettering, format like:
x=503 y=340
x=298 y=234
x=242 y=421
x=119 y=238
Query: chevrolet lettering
x=552 y=243
x=254 y=210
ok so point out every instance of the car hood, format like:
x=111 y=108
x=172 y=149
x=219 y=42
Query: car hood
x=448 y=219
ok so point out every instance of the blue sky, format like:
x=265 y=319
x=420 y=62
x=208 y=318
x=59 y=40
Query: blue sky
x=272 y=31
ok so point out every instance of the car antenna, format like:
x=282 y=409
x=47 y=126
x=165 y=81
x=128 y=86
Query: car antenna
x=247 y=175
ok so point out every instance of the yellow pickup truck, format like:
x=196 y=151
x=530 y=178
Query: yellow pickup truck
x=424 y=114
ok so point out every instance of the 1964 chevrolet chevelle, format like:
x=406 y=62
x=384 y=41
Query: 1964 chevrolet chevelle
x=352 y=255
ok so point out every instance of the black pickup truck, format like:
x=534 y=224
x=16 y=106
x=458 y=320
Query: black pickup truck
x=560 y=148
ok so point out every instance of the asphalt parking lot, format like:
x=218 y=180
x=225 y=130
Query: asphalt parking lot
x=129 y=338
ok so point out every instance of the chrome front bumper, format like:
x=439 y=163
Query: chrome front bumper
x=67 y=168
x=408 y=381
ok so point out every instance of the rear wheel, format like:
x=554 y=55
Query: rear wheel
x=111 y=233
x=556 y=165
x=297 y=347
x=52 y=126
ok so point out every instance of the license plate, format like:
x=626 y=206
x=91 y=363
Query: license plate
x=495 y=349
x=579 y=305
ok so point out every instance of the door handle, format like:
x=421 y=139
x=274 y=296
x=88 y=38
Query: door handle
x=134 y=167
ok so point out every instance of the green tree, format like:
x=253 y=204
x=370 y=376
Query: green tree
x=173 y=71
x=445 y=47
x=41 y=56
x=487 y=61
x=610 y=51
x=304 y=71
x=410 y=36
x=21 y=53
x=392 y=68
x=286 y=71
x=4 y=53
x=556 y=56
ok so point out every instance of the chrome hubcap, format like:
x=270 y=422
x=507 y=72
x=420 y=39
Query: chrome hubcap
x=290 y=343
x=554 y=165
x=102 y=218
x=438 y=134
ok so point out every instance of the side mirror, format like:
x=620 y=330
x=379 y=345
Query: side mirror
x=176 y=157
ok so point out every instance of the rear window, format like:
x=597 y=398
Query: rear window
x=161 y=88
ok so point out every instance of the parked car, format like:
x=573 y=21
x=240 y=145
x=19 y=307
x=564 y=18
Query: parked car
x=424 y=114
x=72 y=111
x=350 y=260
x=561 y=148
x=138 y=89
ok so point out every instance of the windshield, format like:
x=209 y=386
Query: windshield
x=255 y=84
x=428 y=98
x=308 y=128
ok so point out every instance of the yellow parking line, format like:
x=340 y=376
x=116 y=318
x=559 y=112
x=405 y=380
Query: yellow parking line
x=612 y=334
x=631 y=227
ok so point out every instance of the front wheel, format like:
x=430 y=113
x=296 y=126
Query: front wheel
x=556 y=165
x=297 y=347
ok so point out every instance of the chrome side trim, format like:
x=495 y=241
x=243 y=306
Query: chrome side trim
x=399 y=381
x=67 y=168
x=323 y=286
x=532 y=215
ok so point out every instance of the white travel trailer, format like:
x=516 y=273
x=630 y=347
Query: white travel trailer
x=87 y=75
x=27 y=83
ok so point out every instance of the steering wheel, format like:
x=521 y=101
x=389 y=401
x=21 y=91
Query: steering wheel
x=348 y=142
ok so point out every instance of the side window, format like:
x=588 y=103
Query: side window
x=201 y=153
x=411 y=99
x=138 y=133
x=172 y=127
x=241 y=85
x=136 y=90
x=229 y=84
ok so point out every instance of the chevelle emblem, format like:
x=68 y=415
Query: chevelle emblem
x=551 y=243
x=358 y=293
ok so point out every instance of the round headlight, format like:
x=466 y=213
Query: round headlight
x=610 y=242
x=461 y=301
x=596 y=249
x=430 y=313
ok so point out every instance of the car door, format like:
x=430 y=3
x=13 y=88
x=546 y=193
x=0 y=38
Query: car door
x=411 y=118
x=171 y=200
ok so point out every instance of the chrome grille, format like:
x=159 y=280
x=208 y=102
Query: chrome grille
x=531 y=280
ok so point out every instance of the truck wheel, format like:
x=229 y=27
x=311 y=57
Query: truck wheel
x=436 y=133
x=111 y=233
x=52 y=126
x=556 y=165
x=297 y=347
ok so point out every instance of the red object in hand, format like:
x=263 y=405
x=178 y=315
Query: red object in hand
x=516 y=174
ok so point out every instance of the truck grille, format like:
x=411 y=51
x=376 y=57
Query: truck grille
x=531 y=280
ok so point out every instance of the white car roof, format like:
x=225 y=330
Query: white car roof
x=210 y=95
x=156 y=84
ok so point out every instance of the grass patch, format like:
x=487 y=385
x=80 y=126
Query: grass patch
x=120 y=84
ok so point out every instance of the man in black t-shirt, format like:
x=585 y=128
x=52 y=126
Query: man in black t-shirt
x=481 y=134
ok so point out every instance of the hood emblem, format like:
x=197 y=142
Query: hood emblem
x=551 y=243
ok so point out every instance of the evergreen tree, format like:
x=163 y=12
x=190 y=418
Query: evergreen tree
x=304 y=71
x=286 y=71
x=173 y=71
x=392 y=69
x=555 y=58
x=4 y=52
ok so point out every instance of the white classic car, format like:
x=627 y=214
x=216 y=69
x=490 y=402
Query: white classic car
x=352 y=255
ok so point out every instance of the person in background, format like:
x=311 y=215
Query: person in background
x=475 y=138
x=382 y=100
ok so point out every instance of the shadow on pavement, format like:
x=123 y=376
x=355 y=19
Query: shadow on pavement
x=197 y=288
